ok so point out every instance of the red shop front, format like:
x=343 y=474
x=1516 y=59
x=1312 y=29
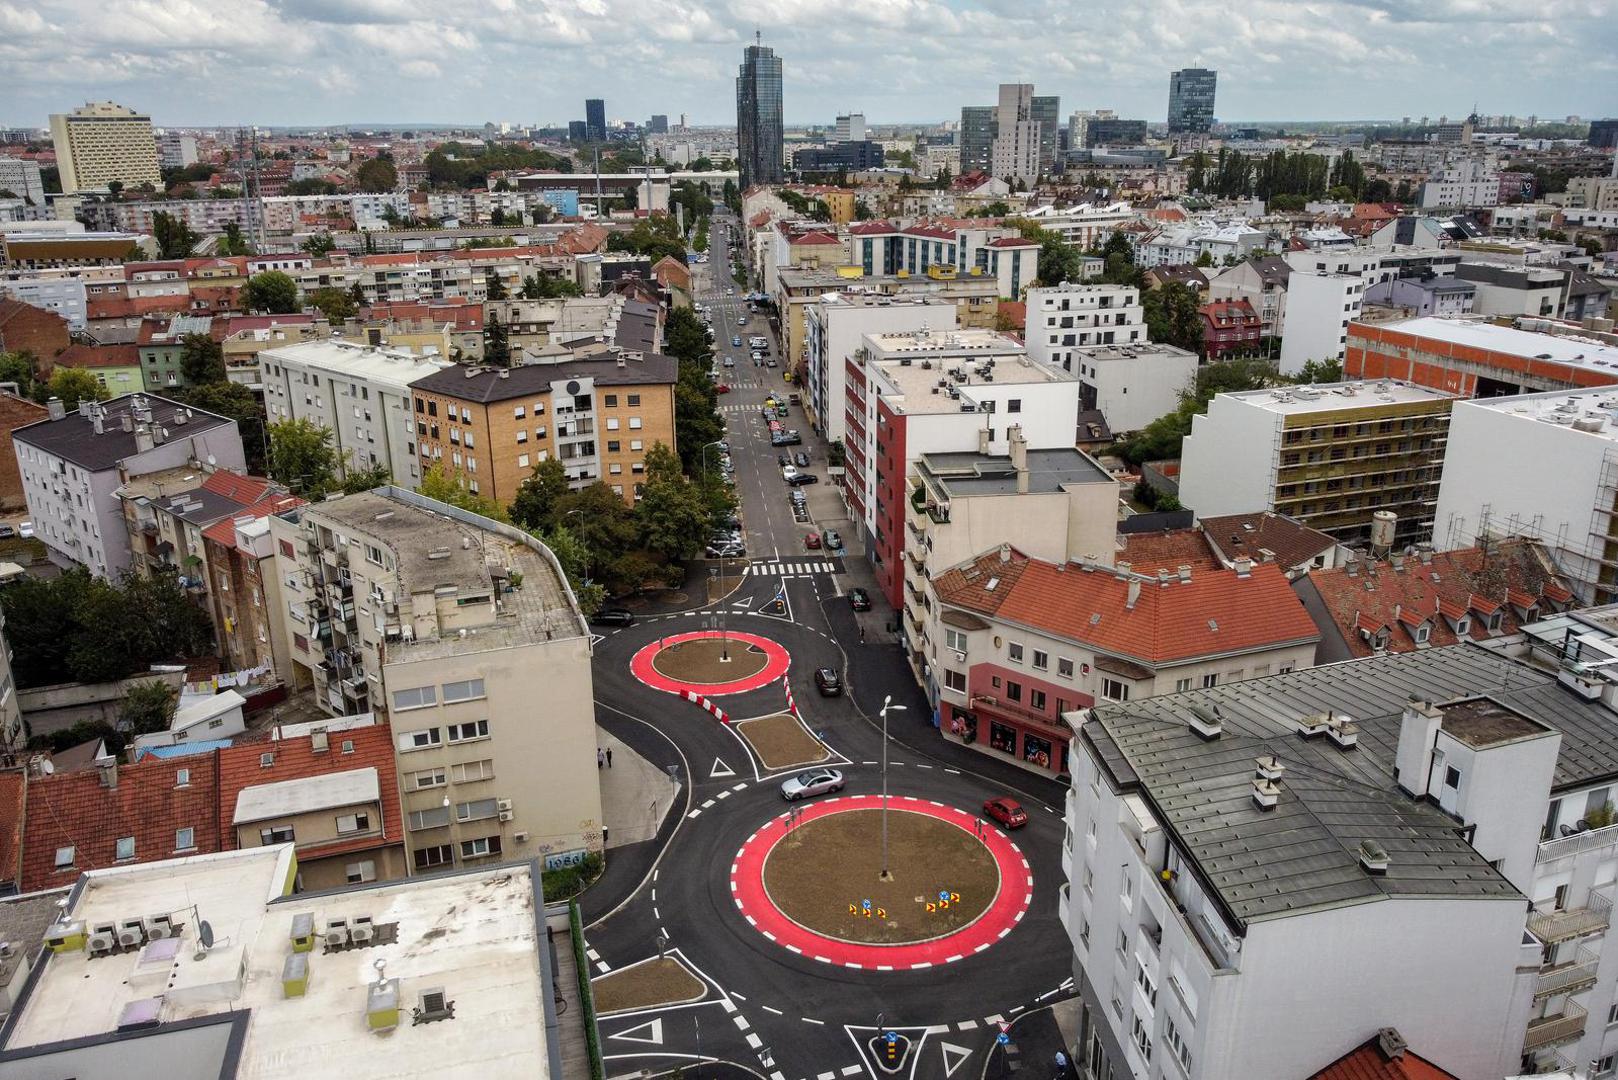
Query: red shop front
x=1037 y=743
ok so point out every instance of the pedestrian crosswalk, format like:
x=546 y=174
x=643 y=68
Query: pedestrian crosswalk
x=787 y=569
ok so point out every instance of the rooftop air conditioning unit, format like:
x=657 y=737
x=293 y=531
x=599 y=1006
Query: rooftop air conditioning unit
x=102 y=940
x=159 y=927
x=336 y=934
x=362 y=930
x=131 y=932
x=503 y=804
x=506 y=815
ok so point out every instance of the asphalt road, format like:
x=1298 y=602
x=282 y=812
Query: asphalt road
x=768 y=1011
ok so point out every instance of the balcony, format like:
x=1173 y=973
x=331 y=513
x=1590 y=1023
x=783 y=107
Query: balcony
x=1551 y=1030
x=1018 y=713
x=1554 y=926
x=1569 y=978
x=1577 y=844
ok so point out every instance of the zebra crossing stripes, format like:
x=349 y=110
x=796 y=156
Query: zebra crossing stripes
x=788 y=568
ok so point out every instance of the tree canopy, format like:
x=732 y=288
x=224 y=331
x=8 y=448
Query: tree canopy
x=237 y=402
x=202 y=360
x=377 y=175
x=272 y=292
x=174 y=237
x=74 y=385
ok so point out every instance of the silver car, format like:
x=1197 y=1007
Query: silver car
x=808 y=784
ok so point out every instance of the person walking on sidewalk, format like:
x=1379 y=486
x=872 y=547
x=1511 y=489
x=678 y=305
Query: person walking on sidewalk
x=1061 y=1065
x=601 y=757
x=609 y=757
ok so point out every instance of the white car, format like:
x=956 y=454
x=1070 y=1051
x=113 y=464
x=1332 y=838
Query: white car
x=25 y=529
x=788 y=472
x=811 y=783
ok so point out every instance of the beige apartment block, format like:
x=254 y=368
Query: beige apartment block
x=102 y=143
x=464 y=634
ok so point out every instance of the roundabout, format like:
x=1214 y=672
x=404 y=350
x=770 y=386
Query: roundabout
x=710 y=662
x=812 y=885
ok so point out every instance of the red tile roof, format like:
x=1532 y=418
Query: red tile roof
x=296 y=759
x=75 y=810
x=98 y=356
x=1368 y=1062
x=235 y=486
x=1011 y=242
x=872 y=228
x=1441 y=592
x=1147 y=553
x=224 y=530
x=13 y=792
x=1266 y=537
x=814 y=238
x=1214 y=612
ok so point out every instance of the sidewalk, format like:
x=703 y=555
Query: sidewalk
x=635 y=794
x=1035 y=1039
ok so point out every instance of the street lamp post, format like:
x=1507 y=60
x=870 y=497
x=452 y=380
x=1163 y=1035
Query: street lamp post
x=887 y=704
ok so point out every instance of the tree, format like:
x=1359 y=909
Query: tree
x=537 y=497
x=494 y=288
x=301 y=457
x=1206 y=258
x=272 y=292
x=438 y=483
x=238 y=403
x=319 y=245
x=574 y=556
x=544 y=286
x=311 y=186
x=673 y=514
x=496 y=341
x=233 y=242
x=598 y=517
x=1172 y=317
x=372 y=476
x=202 y=361
x=377 y=175
x=74 y=385
x=334 y=303
x=175 y=240
x=115 y=189
x=1320 y=371
x=18 y=367
x=148 y=708
x=497 y=217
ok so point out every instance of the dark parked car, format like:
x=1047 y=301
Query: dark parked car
x=859 y=600
x=828 y=682
x=1007 y=811
x=801 y=460
x=613 y=616
x=799 y=479
x=784 y=460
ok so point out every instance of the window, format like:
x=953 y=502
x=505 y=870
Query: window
x=1123 y=943
x=519 y=412
x=1452 y=777
x=1114 y=690
x=433 y=818
x=265 y=760
x=634 y=423
x=64 y=858
x=438 y=855
x=476 y=810
x=373 y=554
x=522 y=436
x=1014 y=652
x=125 y=848
x=353 y=823
x=474 y=729
x=1064 y=667
x=276 y=834
x=469 y=771
x=611 y=400
x=1014 y=405
x=357 y=872
x=1002 y=738
x=1147 y=984
x=634 y=400
x=1042 y=660
x=416 y=698
x=955 y=680
x=182 y=777
x=1176 y=1043
x=1036 y=700
x=427 y=778
x=1181 y=685
x=185 y=839
x=612 y=423
x=1143 y=1040
x=465 y=690
x=1210 y=681
x=1612 y=1013
x=482 y=847
x=420 y=740
x=1013 y=691
x=1084 y=932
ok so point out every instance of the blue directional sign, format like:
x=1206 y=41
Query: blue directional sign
x=1002 y=1038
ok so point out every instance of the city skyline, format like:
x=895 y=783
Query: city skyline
x=389 y=61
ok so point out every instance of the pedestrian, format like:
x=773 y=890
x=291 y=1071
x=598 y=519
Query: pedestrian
x=601 y=758
x=1061 y=1063
x=609 y=757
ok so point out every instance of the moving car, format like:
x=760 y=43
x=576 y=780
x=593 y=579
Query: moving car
x=736 y=341
x=833 y=539
x=770 y=362
x=798 y=479
x=613 y=616
x=722 y=388
x=730 y=361
x=741 y=320
x=800 y=459
x=828 y=682
x=794 y=399
x=1007 y=811
x=811 y=541
x=808 y=784
x=859 y=600
x=25 y=529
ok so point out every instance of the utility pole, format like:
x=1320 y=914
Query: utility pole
x=887 y=704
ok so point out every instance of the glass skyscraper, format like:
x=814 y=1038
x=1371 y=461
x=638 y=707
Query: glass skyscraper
x=758 y=117
x=1191 y=100
x=976 y=137
x=595 y=119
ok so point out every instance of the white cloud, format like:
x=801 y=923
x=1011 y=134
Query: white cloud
x=331 y=61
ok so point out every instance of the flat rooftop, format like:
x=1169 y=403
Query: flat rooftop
x=1526 y=344
x=1481 y=723
x=1592 y=411
x=473 y=936
x=964 y=474
x=955 y=383
x=351 y=360
x=1332 y=397
x=1102 y=354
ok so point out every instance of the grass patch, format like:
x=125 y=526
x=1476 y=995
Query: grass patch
x=569 y=881
x=663 y=981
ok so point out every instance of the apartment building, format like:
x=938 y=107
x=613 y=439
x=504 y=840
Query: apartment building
x=1014 y=642
x=1262 y=282
x=359 y=393
x=834 y=326
x=1322 y=306
x=36 y=330
x=464 y=633
x=1014 y=154
x=1065 y=317
x=922 y=392
x=1413 y=792
x=1472 y=358
x=1465 y=185
x=239 y=556
x=1328 y=456
x=1446 y=297
x=264 y=999
x=597 y=412
x=1229 y=328
x=1132 y=385
x=104 y=143
x=1509 y=289
x=73 y=464
x=945 y=249
x=22 y=178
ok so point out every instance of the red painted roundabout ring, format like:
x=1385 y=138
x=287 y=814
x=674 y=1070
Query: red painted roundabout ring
x=1010 y=904
x=777 y=660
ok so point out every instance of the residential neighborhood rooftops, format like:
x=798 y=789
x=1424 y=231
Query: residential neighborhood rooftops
x=351 y=360
x=1572 y=349
x=74 y=436
x=963 y=473
x=1266 y=537
x=490 y=384
x=1332 y=397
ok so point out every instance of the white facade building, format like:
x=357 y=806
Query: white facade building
x=1069 y=316
x=176 y=150
x=1014 y=155
x=851 y=128
x=104 y=143
x=21 y=178
x=359 y=393
x=1468 y=184
x=1319 y=309
x=1133 y=385
x=64 y=295
x=1186 y=243
x=833 y=329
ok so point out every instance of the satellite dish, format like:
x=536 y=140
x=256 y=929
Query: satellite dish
x=205 y=934
x=573 y=388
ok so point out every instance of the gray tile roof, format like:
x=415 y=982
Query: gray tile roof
x=1303 y=854
x=74 y=438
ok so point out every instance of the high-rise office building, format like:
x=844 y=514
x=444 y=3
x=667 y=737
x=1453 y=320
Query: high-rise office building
x=758 y=117
x=851 y=128
x=1191 y=100
x=577 y=131
x=104 y=143
x=1048 y=111
x=660 y=124
x=595 y=120
x=977 y=138
x=1016 y=141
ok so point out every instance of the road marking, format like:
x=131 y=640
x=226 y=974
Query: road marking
x=953 y=772
x=826 y=1076
x=777 y=1012
x=995 y=1019
x=741 y=1021
x=954 y=1056
x=707 y=805
x=730 y=1006
x=754 y=1041
x=853 y=1070
x=720 y=770
x=655 y=916
x=724 y=794
x=653 y=1033
x=693 y=813
x=812 y=1020
x=967 y=1025
x=603 y=967
x=738 y=787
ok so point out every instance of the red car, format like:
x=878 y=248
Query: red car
x=722 y=388
x=1007 y=811
x=812 y=541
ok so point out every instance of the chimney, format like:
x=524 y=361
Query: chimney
x=143 y=438
x=108 y=768
x=1418 y=730
x=1134 y=595
x=1184 y=571
x=983 y=440
x=1019 y=457
x=1005 y=553
x=1244 y=566
x=57 y=411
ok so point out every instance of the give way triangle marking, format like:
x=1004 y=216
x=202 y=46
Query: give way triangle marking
x=720 y=770
x=953 y=1057
x=652 y=1028
x=744 y=602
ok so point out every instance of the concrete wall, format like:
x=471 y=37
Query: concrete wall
x=1227 y=463
x=57 y=707
x=1319 y=307
x=1132 y=392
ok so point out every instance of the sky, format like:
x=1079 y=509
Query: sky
x=295 y=62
